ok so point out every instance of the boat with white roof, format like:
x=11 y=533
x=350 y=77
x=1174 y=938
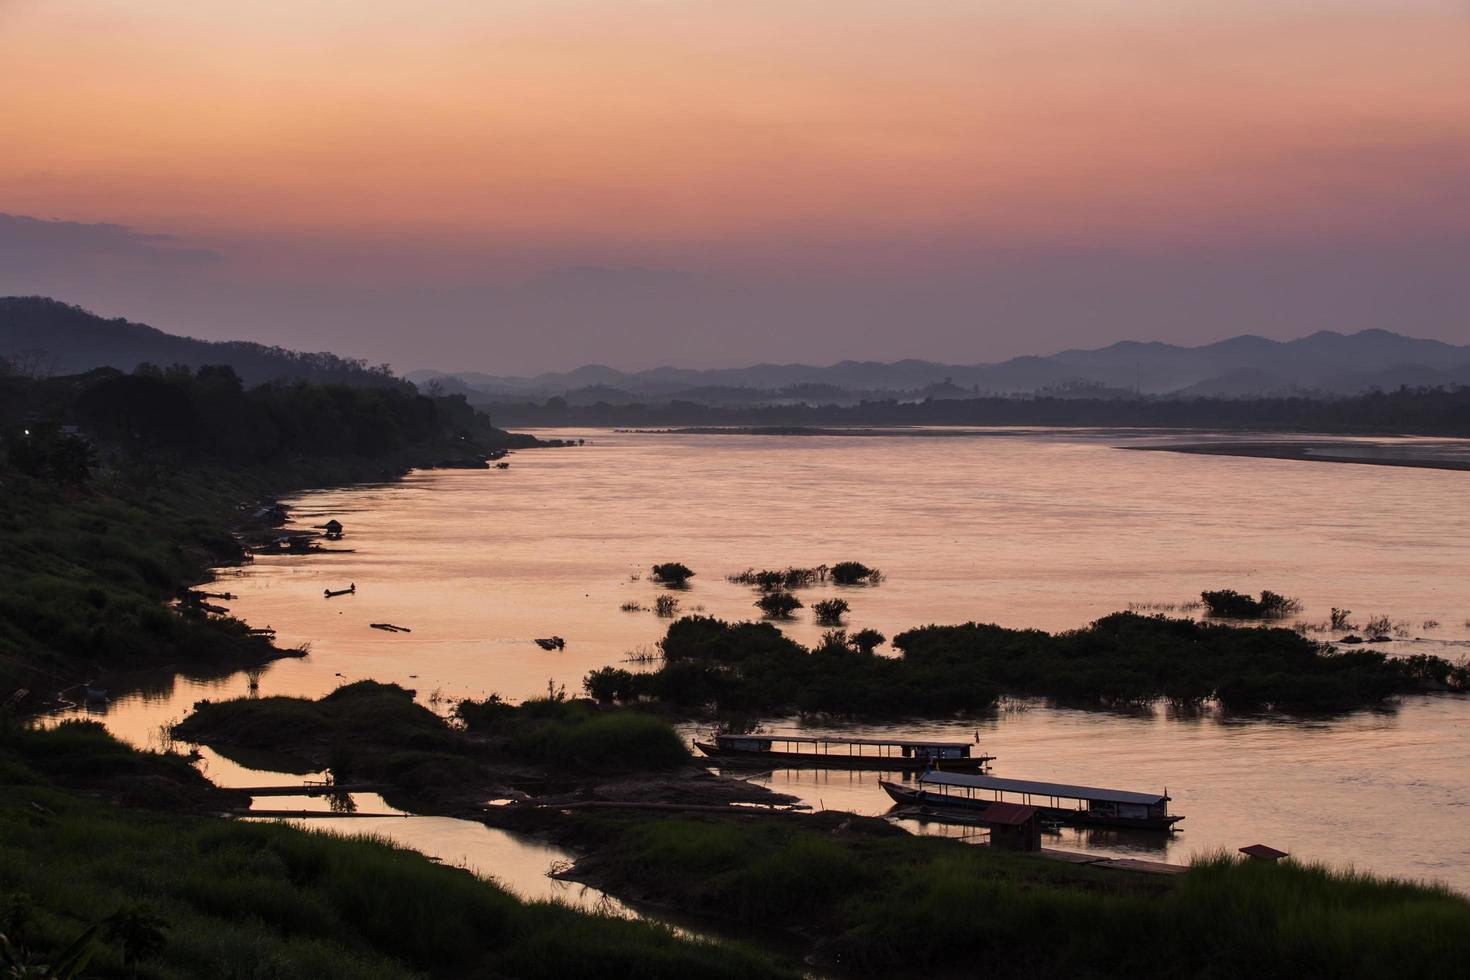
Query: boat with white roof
x=832 y=752
x=1084 y=806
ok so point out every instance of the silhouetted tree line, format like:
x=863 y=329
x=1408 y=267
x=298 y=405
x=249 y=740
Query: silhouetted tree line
x=209 y=415
x=1122 y=658
x=1425 y=411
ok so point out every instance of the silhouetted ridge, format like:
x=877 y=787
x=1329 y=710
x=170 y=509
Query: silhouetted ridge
x=51 y=337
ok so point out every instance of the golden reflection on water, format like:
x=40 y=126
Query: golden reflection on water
x=1048 y=530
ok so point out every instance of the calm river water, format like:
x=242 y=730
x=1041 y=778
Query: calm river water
x=1044 y=529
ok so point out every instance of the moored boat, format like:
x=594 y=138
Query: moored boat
x=1082 y=806
x=901 y=755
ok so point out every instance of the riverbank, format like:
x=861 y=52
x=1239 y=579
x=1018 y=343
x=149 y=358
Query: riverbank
x=1421 y=454
x=548 y=751
x=869 y=900
x=91 y=569
x=864 y=897
x=94 y=852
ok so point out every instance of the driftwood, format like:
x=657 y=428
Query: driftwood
x=551 y=643
x=350 y=590
x=390 y=628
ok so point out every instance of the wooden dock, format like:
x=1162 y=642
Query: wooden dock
x=295 y=814
x=311 y=789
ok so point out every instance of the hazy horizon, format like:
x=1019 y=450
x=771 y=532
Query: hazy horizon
x=541 y=185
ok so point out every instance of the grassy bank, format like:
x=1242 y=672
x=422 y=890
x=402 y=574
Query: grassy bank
x=377 y=732
x=877 y=902
x=231 y=899
x=1125 y=657
x=100 y=526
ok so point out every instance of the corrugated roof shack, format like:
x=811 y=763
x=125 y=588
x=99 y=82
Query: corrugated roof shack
x=1013 y=826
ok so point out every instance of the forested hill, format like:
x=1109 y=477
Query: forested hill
x=45 y=336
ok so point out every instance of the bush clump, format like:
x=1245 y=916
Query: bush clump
x=578 y=733
x=769 y=580
x=673 y=574
x=1229 y=604
x=830 y=611
x=778 y=605
x=855 y=573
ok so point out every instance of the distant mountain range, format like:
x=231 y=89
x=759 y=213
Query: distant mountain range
x=1323 y=363
x=49 y=336
x=42 y=335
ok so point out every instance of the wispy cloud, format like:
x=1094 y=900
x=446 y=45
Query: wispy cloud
x=35 y=247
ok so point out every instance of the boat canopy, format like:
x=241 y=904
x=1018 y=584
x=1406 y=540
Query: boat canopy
x=835 y=740
x=1090 y=793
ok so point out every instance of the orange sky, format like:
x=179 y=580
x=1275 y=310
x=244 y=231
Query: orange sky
x=739 y=134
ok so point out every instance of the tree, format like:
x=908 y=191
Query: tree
x=672 y=573
x=866 y=640
x=854 y=573
x=608 y=684
x=830 y=611
x=778 y=605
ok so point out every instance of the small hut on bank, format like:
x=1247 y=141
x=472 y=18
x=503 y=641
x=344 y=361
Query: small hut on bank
x=1013 y=826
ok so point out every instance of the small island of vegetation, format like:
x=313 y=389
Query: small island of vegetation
x=379 y=733
x=1229 y=604
x=1122 y=658
x=674 y=574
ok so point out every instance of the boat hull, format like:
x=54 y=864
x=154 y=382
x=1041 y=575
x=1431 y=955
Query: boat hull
x=820 y=760
x=1067 y=815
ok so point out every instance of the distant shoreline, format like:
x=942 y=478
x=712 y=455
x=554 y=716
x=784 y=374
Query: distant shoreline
x=1418 y=455
x=1375 y=454
x=926 y=431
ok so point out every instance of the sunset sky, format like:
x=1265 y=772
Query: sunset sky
x=521 y=185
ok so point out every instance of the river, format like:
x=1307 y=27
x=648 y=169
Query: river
x=1039 y=528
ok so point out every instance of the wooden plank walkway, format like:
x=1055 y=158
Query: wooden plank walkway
x=311 y=789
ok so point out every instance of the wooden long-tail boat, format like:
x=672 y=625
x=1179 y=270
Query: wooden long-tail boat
x=1082 y=806
x=893 y=755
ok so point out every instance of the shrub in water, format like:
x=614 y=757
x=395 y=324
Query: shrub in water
x=1230 y=604
x=778 y=605
x=672 y=573
x=830 y=611
x=855 y=573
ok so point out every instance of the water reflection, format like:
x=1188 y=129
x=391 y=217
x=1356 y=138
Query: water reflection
x=1048 y=529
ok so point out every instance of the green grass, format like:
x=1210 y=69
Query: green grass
x=266 y=900
x=578 y=734
x=377 y=731
x=886 y=904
